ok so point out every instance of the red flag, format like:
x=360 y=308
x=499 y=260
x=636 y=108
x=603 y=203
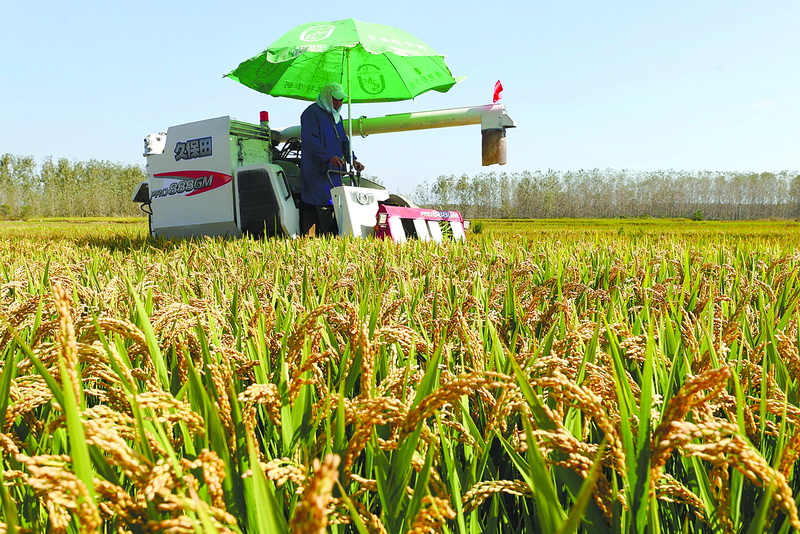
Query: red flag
x=498 y=92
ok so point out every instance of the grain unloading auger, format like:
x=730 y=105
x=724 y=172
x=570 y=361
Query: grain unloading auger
x=223 y=177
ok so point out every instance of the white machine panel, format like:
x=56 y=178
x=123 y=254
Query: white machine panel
x=191 y=187
x=356 y=208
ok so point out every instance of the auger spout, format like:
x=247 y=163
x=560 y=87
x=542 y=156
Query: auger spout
x=492 y=117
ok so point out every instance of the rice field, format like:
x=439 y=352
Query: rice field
x=546 y=376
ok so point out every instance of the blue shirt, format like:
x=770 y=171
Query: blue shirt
x=320 y=140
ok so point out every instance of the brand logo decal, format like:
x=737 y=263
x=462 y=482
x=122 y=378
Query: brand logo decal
x=193 y=148
x=436 y=214
x=370 y=79
x=363 y=198
x=188 y=183
x=316 y=33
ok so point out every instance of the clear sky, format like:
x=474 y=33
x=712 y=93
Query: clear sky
x=641 y=85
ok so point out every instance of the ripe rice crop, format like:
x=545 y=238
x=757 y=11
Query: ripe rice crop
x=583 y=377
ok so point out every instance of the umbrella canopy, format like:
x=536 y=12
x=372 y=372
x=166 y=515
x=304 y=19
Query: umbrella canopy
x=373 y=62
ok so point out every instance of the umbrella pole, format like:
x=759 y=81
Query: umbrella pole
x=349 y=111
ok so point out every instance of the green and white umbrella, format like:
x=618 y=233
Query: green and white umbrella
x=373 y=62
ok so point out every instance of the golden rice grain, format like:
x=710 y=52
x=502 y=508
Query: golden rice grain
x=432 y=516
x=312 y=511
x=451 y=391
x=481 y=491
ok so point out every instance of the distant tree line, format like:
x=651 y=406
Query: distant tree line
x=65 y=188
x=614 y=193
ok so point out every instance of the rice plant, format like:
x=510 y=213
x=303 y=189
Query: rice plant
x=554 y=379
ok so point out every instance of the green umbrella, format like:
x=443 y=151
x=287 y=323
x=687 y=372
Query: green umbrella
x=373 y=62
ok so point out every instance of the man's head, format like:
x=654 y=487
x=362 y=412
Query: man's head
x=332 y=95
x=337 y=95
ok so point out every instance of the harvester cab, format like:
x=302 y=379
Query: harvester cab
x=223 y=177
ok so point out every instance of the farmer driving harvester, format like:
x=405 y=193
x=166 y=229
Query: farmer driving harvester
x=326 y=147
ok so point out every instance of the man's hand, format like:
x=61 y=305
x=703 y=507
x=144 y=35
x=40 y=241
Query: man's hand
x=358 y=166
x=336 y=161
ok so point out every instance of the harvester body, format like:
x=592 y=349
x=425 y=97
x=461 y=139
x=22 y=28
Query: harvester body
x=223 y=177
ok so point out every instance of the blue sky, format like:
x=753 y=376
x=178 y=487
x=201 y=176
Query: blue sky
x=688 y=85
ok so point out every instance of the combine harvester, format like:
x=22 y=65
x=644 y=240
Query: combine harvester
x=223 y=177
